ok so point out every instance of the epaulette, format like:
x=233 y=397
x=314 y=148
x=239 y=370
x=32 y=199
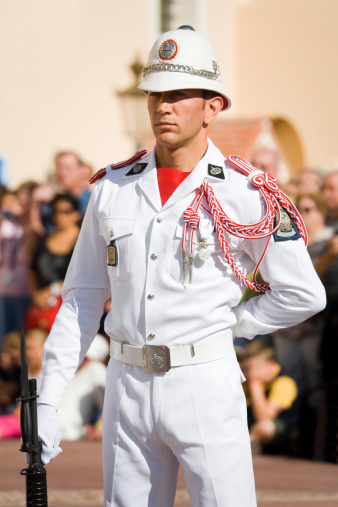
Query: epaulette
x=241 y=164
x=102 y=172
x=257 y=177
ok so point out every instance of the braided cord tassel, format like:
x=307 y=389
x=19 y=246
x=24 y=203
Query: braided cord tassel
x=267 y=184
x=214 y=208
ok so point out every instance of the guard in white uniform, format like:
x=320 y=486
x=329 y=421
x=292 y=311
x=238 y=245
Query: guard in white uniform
x=176 y=274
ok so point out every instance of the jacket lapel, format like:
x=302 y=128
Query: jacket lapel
x=147 y=182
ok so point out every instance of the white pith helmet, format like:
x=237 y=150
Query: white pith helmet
x=182 y=59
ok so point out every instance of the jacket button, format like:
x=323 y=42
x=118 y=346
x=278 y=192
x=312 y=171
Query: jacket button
x=150 y=297
x=151 y=336
x=153 y=257
x=160 y=219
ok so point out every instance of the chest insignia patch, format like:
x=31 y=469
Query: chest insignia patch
x=287 y=229
x=137 y=169
x=216 y=171
x=112 y=254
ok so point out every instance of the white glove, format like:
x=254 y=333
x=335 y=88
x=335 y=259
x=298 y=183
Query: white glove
x=49 y=432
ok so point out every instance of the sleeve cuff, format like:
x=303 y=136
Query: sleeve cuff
x=238 y=311
x=51 y=392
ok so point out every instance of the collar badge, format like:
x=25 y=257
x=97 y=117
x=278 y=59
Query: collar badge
x=138 y=168
x=216 y=171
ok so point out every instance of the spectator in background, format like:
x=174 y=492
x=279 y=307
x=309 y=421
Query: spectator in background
x=87 y=173
x=14 y=264
x=72 y=177
x=266 y=160
x=24 y=194
x=9 y=372
x=330 y=192
x=10 y=386
x=291 y=189
x=327 y=268
x=327 y=264
x=298 y=347
x=273 y=400
x=50 y=262
x=309 y=181
x=40 y=214
x=3 y=190
x=35 y=338
x=81 y=407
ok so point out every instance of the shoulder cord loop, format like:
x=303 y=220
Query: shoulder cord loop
x=273 y=197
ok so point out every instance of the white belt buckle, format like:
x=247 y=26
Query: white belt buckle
x=156 y=358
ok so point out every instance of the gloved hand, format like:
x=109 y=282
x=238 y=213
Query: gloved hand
x=49 y=432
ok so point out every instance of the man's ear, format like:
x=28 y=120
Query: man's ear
x=212 y=107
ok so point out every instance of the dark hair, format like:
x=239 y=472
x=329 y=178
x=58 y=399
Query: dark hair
x=60 y=154
x=4 y=191
x=317 y=198
x=29 y=185
x=65 y=197
x=210 y=94
x=257 y=348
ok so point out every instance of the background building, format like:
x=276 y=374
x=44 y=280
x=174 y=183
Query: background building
x=62 y=63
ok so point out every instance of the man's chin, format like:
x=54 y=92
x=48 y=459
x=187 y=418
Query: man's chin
x=168 y=140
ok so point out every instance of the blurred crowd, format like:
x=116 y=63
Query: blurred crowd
x=292 y=376
x=39 y=226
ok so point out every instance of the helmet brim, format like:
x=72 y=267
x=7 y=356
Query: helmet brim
x=159 y=81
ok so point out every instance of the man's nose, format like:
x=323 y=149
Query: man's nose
x=164 y=104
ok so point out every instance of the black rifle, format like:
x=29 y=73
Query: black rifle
x=36 y=479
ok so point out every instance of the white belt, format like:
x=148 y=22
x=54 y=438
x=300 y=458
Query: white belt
x=160 y=358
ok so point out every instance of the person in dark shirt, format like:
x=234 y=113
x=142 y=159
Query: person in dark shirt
x=9 y=372
x=273 y=400
x=50 y=262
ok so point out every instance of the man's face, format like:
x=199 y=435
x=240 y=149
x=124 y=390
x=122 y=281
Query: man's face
x=176 y=117
x=266 y=161
x=330 y=191
x=309 y=183
x=68 y=171
x=34 y=353
x=311 y=215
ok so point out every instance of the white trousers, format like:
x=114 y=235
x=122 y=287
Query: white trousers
x=193 y=416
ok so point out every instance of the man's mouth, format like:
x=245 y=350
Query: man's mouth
x=164 y=124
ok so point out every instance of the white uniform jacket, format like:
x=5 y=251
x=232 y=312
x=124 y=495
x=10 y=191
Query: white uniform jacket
x=151 y=302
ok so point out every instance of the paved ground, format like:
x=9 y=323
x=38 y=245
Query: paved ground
x=74 y=478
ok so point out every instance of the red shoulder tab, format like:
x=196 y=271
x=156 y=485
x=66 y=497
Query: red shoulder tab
x=98 y=175
x=257 y=177
x=102 y=172
x=242 y=164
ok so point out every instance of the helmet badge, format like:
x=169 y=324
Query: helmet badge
x=168 y=50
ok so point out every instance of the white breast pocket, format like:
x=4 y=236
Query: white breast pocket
x=203 y=271
x=120 y=231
